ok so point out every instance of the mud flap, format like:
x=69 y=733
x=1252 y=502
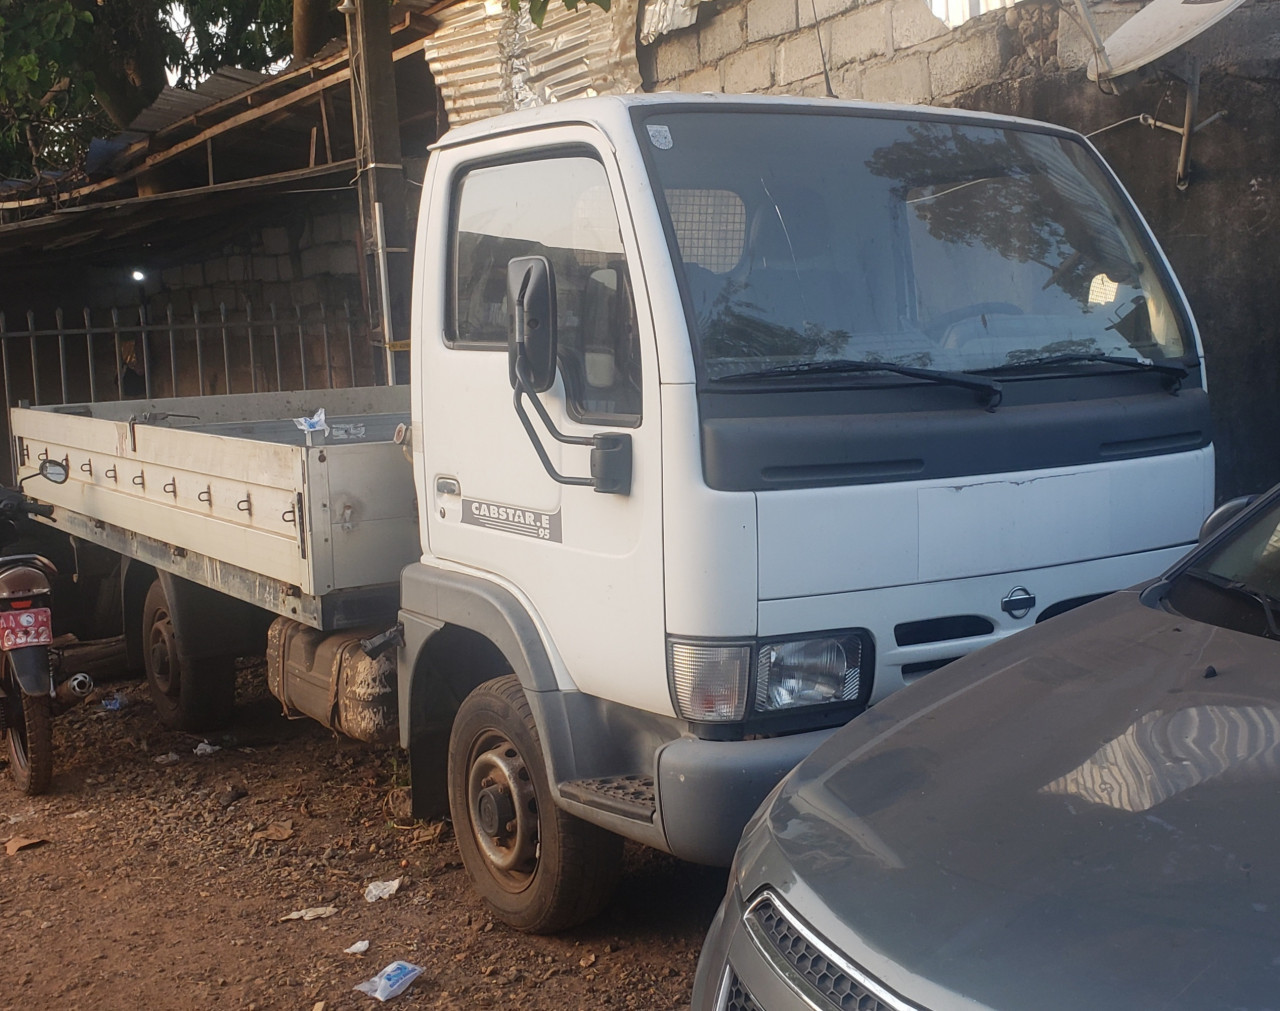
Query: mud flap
x=31 y=665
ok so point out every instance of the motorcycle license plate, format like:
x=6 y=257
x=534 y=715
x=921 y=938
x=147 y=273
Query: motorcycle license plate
x=33 y=627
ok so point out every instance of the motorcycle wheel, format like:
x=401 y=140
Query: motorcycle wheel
x=28 y=732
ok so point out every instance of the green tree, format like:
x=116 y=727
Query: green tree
x=71 y=69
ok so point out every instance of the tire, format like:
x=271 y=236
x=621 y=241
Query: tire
x=536 y=867
x=28 y=723
x=188 y=694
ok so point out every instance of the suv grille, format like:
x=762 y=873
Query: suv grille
x=737 y=997
x=812 y=969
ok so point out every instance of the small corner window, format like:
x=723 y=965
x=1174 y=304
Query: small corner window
x=561 y=208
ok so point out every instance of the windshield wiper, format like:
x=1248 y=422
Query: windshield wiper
x=989 y=390
x=1263 y=600
x=1175 y=372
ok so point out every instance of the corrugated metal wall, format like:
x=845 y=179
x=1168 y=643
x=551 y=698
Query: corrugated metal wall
x=486 y=59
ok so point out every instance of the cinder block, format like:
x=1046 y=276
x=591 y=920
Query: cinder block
x=904 y=80
x=264 y=268
x=237 y=268
x=827 y=10
x=215 y=271
x=284 y=268
x=676 y=54
x=326 y=228
x=1074 y=48
x=971 y=63
x=800 y=57
x=725 y=33
x=861 y=35
x=768 y=19
x=314 y=261
x=913 y=23
x=706 y=79
x=275 y=241
x=192 y=275
x=750 y=70
x=343 y=259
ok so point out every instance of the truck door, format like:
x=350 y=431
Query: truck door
x=588 y=565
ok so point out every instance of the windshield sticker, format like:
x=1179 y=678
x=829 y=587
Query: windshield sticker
x=512 y=519
x=660 y=137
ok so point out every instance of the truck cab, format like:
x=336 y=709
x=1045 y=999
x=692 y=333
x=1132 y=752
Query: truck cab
x=732 y=416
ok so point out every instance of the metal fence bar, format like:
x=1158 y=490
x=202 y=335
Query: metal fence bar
x=253 y=363
x=324 y=339
x=302 y=345
x=35 y=365
x=195 y=314
x=88 y=347
x=173 y=354
x=226 y=345
x=4 y=359
x=144 y=344
x=275 y=341
x=351 y=345
x=115 y=334
x=62 y=356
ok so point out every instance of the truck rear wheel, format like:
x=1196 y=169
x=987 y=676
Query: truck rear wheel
x=537 y=867
x=188 y=694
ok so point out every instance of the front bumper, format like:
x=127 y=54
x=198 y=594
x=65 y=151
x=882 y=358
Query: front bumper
x=707 y=790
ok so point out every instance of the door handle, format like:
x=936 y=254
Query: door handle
x=448 y=486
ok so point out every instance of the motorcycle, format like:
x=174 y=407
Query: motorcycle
x=32 y=692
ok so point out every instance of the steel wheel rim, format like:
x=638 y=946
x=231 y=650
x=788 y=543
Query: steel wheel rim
x=161 y=648
x=499 y=783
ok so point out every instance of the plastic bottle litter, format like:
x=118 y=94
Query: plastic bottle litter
x=204 y=748
x=311 y=913
x=359 y=948
x=381 y=889
x=391 y=981
x=116 y=700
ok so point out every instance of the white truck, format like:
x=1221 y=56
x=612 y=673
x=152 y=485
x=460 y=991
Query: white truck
x=728 y=417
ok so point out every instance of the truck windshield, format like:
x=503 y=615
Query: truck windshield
x=927 y=243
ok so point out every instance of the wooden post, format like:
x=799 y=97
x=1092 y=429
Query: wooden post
x=387 y=257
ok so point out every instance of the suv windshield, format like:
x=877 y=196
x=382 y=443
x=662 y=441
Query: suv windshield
x=924 y=243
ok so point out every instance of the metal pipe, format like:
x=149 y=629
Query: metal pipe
x=1193 y=99
x=384 y=290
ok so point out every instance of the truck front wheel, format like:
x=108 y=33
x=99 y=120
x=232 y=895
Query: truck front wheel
x=538 y=868
x=188 y=694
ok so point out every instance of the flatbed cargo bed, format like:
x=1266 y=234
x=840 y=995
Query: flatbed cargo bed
x=230 y=493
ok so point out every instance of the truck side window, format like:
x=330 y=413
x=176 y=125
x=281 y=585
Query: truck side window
x=561 y=208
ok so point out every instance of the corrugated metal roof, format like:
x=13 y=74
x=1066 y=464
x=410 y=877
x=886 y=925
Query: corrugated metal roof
x=174 y=104
x=486 y=59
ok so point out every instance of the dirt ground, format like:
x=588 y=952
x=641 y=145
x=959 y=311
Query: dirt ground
x=162 y=879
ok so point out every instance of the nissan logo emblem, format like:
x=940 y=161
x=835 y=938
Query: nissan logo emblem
x=1018 y=602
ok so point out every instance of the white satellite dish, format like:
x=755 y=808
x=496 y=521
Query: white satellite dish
x=1155 y=31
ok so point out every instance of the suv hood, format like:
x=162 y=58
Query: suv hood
x=1091 y=821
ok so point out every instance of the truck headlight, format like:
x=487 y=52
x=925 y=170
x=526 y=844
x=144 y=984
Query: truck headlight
x=809 y=672
x=719 y=682
x=709 y=680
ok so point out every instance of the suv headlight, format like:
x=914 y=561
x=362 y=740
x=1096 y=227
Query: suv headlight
x=714 y=682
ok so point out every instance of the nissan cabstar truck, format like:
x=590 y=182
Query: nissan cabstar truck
x=727 y=417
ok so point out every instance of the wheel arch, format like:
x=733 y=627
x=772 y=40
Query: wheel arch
x=135 y=580
x=460 y=631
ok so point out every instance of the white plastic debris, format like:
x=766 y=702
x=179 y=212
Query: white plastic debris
x=381 y=889
x=311 y=913
x=168 y=759
x=391 y=981
x=204 y=749
x=315 y=423
x=359 y=948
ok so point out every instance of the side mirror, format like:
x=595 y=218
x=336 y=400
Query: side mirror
x=54 y=470
x=1223 y=515
x=531 y=344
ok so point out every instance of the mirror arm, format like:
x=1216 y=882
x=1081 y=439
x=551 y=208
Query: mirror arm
x=610 y=451
x=521 y=390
